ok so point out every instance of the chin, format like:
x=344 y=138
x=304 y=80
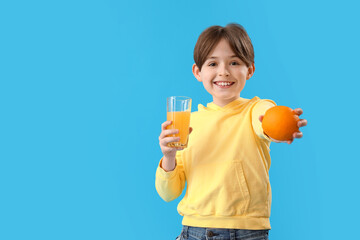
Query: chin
x=227 y=97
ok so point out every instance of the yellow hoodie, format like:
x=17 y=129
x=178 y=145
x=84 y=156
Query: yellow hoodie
x=226 y=167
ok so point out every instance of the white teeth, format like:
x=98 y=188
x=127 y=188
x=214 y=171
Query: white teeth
x=223 y=83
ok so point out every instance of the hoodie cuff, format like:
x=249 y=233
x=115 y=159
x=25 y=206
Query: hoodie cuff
x=166 y=175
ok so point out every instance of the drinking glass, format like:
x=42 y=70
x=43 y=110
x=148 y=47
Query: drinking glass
x=178 y=112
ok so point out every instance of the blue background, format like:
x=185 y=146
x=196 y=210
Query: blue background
x=82 y=97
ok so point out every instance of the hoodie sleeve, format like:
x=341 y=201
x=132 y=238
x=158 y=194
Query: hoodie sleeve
x=170 y=185
x=259 y=109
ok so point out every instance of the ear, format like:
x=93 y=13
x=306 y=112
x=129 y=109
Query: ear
x=196 y=72
x=251 y=71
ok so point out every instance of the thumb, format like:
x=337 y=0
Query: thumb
x=261 y=118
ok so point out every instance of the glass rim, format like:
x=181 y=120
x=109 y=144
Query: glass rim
x=179 y=98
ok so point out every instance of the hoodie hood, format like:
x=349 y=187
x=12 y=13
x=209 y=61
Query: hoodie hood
x=232 y=106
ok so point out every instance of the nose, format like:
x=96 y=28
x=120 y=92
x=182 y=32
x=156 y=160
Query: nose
x=223 y=71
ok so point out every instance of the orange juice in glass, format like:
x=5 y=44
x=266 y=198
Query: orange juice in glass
x=178 y=112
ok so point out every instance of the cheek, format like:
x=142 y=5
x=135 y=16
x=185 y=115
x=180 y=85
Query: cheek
x=242 y=76
x=240 y=70
x=206 y=77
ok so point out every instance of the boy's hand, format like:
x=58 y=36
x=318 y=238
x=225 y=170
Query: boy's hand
x=301 y=123
x=169 y=152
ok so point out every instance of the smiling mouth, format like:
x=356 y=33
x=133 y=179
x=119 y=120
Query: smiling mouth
x=224 y=84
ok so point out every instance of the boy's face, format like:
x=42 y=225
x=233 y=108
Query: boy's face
x=223 y=74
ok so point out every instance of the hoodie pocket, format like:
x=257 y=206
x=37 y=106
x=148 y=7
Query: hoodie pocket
x=221 y=192
x=234 y=196
x=243 y=189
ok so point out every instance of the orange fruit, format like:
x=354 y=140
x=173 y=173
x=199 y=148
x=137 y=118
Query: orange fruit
x=280 y=122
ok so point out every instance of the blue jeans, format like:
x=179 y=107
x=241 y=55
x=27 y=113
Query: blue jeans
x=196 y=233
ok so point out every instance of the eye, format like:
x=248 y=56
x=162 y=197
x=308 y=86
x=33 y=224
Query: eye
x=212 y=64
x=234 y=63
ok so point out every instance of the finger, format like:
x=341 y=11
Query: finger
x=298 y=111
x=168 y=132
x=164 y=142
x=190 y=130
x=165 y=124
x=277 y=141
x=171 y=149
x=261 y=117
x=302 y=123
x=274 y=140
x=298 y=135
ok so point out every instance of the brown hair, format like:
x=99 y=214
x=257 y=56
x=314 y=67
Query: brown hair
x=234 y=33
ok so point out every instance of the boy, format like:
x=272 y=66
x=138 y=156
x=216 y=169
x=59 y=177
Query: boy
x=226 y=163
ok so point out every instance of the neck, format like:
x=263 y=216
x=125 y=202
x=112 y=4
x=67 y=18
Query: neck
x=224 y=102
